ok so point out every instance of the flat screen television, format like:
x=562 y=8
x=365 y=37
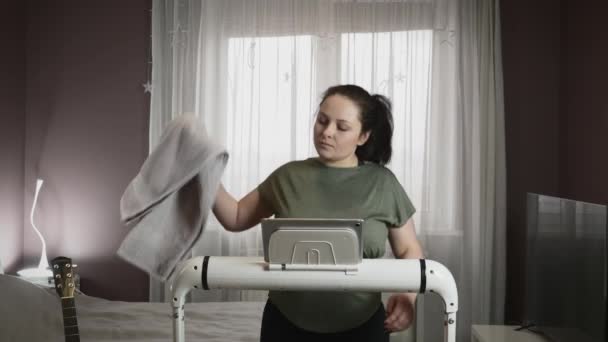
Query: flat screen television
x=566 y=268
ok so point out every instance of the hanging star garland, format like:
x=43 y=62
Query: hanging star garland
x=147 y=87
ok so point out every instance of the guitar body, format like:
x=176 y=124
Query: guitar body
x=64 y=274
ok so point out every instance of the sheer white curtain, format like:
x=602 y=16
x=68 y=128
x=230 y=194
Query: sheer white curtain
x=254 y=70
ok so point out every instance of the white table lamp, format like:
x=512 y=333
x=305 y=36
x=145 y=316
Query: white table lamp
x=42 y=271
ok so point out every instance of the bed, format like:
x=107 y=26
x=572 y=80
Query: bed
x=32 y=313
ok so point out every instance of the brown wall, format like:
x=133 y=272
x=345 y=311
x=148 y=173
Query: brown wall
x=12 y=112
x=556 y=114
x=531 y=61
x=86 y=133
x=584 y=102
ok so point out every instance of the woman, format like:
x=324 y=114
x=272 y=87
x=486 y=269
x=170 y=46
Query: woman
x=352 y=136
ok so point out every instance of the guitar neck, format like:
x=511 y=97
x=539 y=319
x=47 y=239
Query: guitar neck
x=70 y=322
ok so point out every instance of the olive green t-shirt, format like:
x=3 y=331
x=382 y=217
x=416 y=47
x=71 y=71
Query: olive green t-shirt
x=310 y=189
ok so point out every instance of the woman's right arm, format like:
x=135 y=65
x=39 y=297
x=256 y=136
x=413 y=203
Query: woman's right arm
x=241 y=215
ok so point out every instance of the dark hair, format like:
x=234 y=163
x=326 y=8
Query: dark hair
x=376 y=118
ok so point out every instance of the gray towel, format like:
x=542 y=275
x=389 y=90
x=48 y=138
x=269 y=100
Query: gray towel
x=169 y=201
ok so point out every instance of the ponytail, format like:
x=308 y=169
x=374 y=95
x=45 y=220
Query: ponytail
x=379 y=122
x=376 y=118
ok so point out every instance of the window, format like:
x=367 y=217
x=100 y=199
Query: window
x=270 y=82
x=275 y=83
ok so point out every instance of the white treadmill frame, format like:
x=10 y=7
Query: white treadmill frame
x=253 y=273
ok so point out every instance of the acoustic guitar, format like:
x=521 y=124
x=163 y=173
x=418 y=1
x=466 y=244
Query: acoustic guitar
x=64 y=273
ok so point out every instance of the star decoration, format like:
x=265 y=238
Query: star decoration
x=176 y=35
x=449 y=40
x=147 y=87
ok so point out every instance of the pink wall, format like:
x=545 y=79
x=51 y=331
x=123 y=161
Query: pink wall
x=12 y=113
x=86 y=133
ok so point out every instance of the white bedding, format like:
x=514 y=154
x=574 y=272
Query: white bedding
x=102 y=320
x=31 y=313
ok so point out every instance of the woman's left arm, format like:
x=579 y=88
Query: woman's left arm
x=400 y=307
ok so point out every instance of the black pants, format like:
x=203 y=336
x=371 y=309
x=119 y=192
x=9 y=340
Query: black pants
x=277 y=328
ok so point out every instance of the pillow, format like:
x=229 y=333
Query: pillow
x=28 y=312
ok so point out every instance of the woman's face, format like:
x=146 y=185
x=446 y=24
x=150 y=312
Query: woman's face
x=337 y=131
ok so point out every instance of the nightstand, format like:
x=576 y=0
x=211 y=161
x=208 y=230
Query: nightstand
x=40 y=281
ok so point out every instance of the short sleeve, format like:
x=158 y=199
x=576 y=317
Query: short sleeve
x=270 y=187
x=402 y=205
x=265 y=190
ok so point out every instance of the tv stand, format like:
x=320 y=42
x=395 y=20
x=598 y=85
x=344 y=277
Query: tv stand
x=503 y=333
